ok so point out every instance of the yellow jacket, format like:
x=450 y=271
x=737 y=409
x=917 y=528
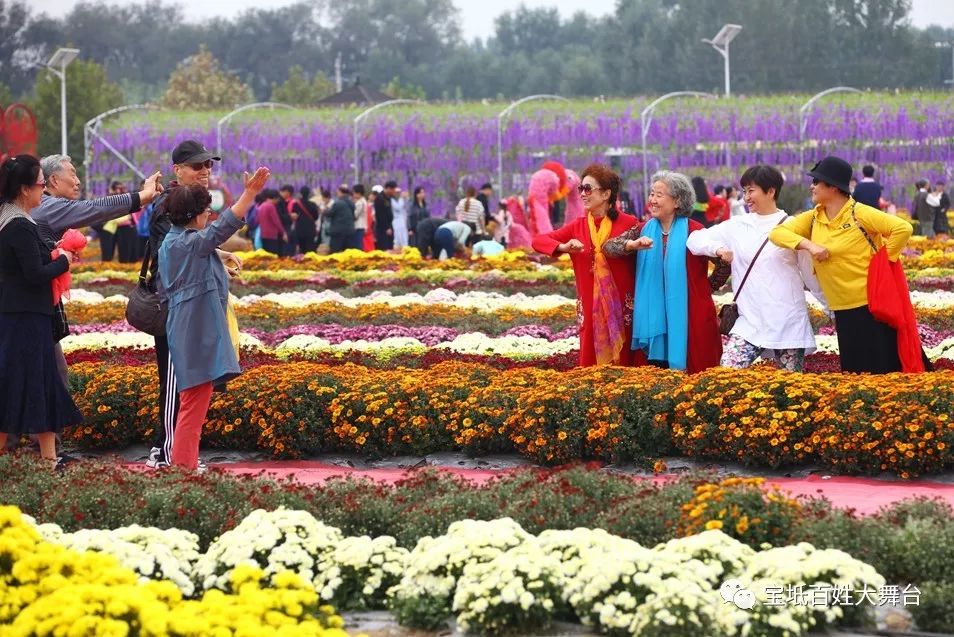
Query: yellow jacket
x=844 y=275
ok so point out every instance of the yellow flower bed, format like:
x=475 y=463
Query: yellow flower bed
x=761 y=416
x=46 y=589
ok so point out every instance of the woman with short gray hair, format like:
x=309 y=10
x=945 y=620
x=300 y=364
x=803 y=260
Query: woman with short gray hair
x=674 y=318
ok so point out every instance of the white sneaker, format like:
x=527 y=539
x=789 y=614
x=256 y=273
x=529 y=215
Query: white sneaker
x=154 y=462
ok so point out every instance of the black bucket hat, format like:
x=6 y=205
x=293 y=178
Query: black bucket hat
x=833 y=171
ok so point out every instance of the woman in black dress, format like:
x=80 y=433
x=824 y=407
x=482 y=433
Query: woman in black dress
x=33 y=398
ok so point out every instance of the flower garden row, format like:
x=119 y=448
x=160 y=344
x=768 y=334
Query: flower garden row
x=490 y=313
x=432 y=546
x=761 y=417
x=49 y=589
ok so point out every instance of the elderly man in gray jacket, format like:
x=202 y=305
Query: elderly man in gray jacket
x=61 y=209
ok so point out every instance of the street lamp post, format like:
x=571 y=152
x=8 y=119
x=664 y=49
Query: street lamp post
x=57 y=66
x=721 y=44
x=944 y=45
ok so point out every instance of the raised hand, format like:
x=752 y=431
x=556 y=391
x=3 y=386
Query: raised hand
x=151 y=188
x=256 y=182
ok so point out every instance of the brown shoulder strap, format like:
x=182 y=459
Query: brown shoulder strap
x=752 y=262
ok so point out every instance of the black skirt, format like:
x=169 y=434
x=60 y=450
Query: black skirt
x=865 y=344
x=33 y=399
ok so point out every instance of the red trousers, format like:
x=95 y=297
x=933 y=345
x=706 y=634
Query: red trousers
x=194 y=405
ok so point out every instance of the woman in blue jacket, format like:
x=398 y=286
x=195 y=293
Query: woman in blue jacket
x=195 y=284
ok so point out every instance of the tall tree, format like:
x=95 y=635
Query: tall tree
x=200 y=83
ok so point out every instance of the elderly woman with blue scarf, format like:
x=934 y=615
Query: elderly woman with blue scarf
x=674 y=318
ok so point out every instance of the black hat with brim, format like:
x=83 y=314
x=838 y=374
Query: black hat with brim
x=833 y=171
x=192 y=152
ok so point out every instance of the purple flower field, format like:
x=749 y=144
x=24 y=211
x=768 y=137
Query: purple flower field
x=907 y=136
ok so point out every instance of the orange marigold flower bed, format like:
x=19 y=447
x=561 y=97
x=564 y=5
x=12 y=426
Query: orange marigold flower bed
x=761 y=417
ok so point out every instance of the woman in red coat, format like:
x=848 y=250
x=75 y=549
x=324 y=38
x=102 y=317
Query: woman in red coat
x=604 y=287
x=674 y=318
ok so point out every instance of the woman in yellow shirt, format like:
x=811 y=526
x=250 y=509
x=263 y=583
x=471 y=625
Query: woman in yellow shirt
x=842 y=235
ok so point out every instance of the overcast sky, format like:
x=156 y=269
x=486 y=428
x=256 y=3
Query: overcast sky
x=478 y=15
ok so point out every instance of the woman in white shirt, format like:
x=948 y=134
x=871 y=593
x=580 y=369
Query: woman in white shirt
x=773 y=315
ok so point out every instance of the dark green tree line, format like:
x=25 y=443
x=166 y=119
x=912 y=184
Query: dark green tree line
x=646 y=46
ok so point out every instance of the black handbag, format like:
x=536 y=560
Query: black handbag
x=144 y=310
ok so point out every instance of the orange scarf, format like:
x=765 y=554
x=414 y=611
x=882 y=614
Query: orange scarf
x=608 y=330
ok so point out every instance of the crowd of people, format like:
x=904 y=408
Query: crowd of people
x=287 y=222
x=644 y=282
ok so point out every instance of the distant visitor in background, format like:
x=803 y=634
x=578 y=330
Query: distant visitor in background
x=270 y=225
x=306 y=227
x=504 y=219
x=868 y=191
x=125 y=236
x=289 y=210
x=488 y=247
x=370 y=242
x=384 y=217
x=399 y=212
x=361 y=218
x=736 y=204
x=425 y=231
x=340 y=221
x=324 y=204
x=107 y=231
x=486 y=197
x=718 y=209
x=417 y=213
x=922 y=210
x=941 y=204
x=604 y=287
x=451 y=239
x=469 y=210
x=702 y=201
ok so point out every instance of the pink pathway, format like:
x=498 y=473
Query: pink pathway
x=864 y=495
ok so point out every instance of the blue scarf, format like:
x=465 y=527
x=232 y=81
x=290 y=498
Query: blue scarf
x=661 y=306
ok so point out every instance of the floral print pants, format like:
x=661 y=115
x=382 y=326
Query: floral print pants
x=738 y=353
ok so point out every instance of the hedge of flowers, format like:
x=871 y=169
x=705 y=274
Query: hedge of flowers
x=493 y=575
x=908 y=542
x=762 y=417
x=492 y=373
x=47 y=588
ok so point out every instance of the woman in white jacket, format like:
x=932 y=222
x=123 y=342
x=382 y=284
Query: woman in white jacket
x=773 y=316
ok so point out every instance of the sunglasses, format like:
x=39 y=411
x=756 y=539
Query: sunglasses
x=41 y=184
x=587 y=188
x=200 y=165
